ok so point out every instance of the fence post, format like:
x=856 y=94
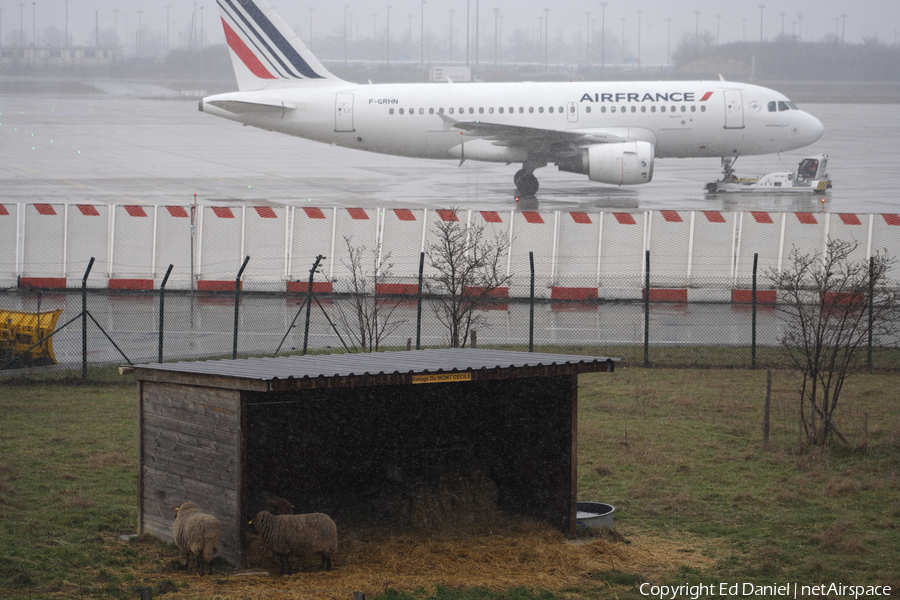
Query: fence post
x=647 y=309
x=753 y=317
x=419 y=303
x=237 y=305
x=40 y=333
x=767 y=407
x=162 y=311
x=871 y=309
x=87 y=273
x=531 y=305
x=309 y=295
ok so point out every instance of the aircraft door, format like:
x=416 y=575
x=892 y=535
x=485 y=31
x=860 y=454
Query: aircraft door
x=343 y=112
x=572 y=112
x=734 y=110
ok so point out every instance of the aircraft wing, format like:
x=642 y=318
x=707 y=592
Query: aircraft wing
x=240 y=107
x=532 y=138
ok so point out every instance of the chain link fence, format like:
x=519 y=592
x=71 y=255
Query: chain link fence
x=102 y=327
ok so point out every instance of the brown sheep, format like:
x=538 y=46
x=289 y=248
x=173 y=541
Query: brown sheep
x=289 y=535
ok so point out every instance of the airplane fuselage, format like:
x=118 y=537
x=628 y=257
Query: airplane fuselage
x=680 y=118
x=610 y=131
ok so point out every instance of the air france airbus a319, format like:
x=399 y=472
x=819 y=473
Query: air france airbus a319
x=610 y=131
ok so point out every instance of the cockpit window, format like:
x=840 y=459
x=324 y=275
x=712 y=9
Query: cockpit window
x=781 y=105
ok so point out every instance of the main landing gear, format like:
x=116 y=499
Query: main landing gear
x=526 y=183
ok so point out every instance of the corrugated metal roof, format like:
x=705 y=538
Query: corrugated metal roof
x=378 y=364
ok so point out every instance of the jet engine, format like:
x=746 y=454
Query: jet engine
x=620 y=163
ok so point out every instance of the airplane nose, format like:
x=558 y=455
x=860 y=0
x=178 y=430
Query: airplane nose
x=815 y=128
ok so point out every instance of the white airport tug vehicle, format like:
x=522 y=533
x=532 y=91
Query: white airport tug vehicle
x=810 y=177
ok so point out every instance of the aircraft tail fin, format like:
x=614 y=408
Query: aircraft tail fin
x=264 y=50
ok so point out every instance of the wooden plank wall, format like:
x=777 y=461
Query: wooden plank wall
x=190 y=451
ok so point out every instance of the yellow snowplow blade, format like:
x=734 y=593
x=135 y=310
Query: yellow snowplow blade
x=19 y=331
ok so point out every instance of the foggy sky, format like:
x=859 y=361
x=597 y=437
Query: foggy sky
x=864 y=18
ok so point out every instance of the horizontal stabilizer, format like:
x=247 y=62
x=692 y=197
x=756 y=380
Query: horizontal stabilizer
x=238 y=107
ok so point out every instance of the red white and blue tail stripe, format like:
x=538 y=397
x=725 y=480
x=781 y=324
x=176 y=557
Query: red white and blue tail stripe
x=264 y=49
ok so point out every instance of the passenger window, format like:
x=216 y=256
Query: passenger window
x=643 y=109
x=450 y=111
x=662 y=109
x=683 y=108
x=481 y=110
x=634 y=109
x=693 y=108
x=530 y=109
x=550 y=109
x=521 y=110
x=511 y=110
x=472 y=110
x=501 y=110
x=703 y=108
x=412 y=111
x=401 y=111
x=440 y=111
x=653 y=109
x=430 y=111
x=622 y=109
x=491 y=110
x=422 y=111
x=672 y=108
x=587 y=109
x=603 y=109
x=391 y=111
x=462 y=111
x=612 y=109
x=561 y=109
x=541 y=109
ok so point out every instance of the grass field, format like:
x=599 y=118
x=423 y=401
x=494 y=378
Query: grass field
x=678 y=452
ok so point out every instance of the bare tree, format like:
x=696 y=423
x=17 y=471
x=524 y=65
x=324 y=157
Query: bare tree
x=368 y=315
x=52 y=36
x=832 y=305
x=468 y=264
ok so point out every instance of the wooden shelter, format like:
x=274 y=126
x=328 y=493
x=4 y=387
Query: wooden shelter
x=345 y=434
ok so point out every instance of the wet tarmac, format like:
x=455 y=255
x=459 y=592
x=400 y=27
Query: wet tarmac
x=116 y=149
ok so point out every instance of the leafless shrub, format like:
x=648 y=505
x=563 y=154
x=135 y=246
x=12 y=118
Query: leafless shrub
x=368 y=315
x=468 y=263
x=832 y=306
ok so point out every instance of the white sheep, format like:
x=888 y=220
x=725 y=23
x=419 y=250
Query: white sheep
x=196 y=532
x=289 y=535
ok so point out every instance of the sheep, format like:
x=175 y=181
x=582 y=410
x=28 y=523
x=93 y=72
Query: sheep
x=264 y=500
x=288 y=535
x=254 y=550
x=280 y=506
x=196 y=532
